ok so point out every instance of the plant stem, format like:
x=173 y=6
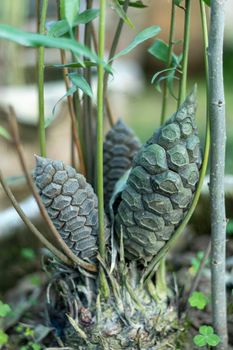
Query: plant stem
x=44 y=214
x=217 y=164
x=41 y=81
x=114 y=44
x=183 y=82
x=30 y=225
x=88 y=130
x=169 y=62
x=100 y=114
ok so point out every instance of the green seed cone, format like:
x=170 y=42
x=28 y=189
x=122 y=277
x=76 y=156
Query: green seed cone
x=71 y=204
x=161 y=185
x=120 y=146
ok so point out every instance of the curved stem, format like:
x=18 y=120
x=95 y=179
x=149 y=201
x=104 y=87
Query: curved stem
x=169 y=62
x=152 y=267
x=41 y=81
x=30 y=225
x=183 y=82
x=15 y=134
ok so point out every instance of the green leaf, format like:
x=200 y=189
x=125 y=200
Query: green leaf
x=206 y=337
x=198 y=300
x=59 y=28
x=70 y=92
x=4 y=133
x=80 y=82
x=136 y=4
x=213 y=340
x=70 y=10
x=206 y=330
x=115 y=5
x=5 y=309
x=199 y=340
x=35 y=346
x=28 y=254
x=35 y=40
x=159 y=49
x=138 y=39
x=207 y=2
x=74 y=65
x=178 y=2
x=155 y=76
x=3 y=337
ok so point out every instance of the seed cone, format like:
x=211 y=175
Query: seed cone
x=120 y=146
x=71 y=204
x=161 y=185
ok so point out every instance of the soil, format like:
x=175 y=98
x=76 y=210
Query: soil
x=25 y=292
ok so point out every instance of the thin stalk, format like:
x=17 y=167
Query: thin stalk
x=88 y=130
x=183 y=82
x=100 y=115
x=152 y=267
x=161 y=284
x=169 y=62
x=217 y=165
x=74 y=122
x=30 y=225
x=114 y=44
x=44 y=214
x=108 y=107
x=41 y=81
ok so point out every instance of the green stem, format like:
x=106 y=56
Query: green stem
x=41 y=81
x=169 y=62
x=152 y=267
x=100 y=114
x=183 y=83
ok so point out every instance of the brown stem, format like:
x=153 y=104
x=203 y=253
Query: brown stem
x=30 y=225
x=72 y=116
x=18 y=146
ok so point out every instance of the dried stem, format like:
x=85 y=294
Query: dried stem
x=56 y=235
x=30 y=225
x=74 y=125
x=217 y=164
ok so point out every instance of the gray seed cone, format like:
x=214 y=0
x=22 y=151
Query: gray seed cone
x=71 y=204
x=120 y=146
x=161 y=185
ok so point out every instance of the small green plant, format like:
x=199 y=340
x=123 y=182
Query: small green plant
x=196 y=261
x=5 y=309
x=198 y=300
x=28 y=254
x=206 y=337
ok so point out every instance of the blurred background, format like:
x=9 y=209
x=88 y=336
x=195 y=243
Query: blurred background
x=131 y=94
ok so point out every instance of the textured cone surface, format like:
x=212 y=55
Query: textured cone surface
x=120 y=146
x=161 y=185
x=71 y=204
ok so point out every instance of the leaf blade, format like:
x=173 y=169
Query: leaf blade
x=138 y=39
